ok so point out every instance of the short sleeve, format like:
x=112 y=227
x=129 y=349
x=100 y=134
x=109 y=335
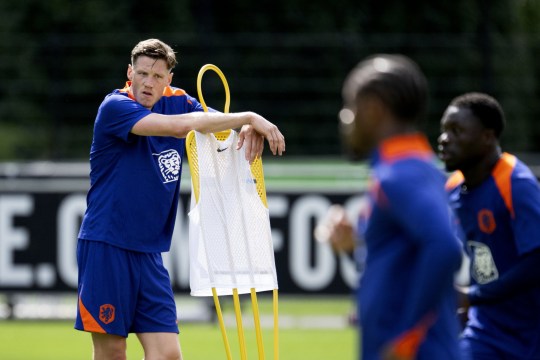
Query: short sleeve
x=194 y=104
x=526 y=222
x=117 y=115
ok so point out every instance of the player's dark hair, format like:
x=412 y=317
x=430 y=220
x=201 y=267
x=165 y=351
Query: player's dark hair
x=485 y=108
x=396 y=80
x=155 y=49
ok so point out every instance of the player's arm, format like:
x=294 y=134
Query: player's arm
x=252 y=141
x=337 y=230
x=525 y=274
x=248 y=138
x=205 y=122
x=521 y=277
x=419 y=205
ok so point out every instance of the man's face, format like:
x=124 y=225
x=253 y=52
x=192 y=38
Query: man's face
x=359 y=121
x=462 y=143
x=149 y=77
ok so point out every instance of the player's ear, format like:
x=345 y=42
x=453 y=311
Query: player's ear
x=377 y=115
x=130 y=72
x=490 y=137
x=170 y=78
x=378 y=109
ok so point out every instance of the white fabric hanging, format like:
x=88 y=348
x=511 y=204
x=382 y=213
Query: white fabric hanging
x=229 y=228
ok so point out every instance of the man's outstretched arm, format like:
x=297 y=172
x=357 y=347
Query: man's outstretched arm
x=180 y=125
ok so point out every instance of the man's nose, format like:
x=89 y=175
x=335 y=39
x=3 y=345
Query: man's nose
x=443 y=138
x=149 y=82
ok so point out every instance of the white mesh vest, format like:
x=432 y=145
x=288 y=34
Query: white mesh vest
x=229 y=228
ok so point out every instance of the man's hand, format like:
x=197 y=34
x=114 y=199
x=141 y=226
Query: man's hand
x=338 y=230
x=275 y=138
x=253 y=141
x=463 y=304
x=343 y=235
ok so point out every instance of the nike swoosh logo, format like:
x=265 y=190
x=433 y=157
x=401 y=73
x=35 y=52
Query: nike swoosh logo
x=220 y=150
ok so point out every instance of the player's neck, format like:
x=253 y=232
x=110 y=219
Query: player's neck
x=481 y=170
x=396 y=128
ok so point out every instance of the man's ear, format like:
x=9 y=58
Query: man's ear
x=488 y=135
x=377 y=115
x=130 y=72
x=170 y=78
x=378 y=110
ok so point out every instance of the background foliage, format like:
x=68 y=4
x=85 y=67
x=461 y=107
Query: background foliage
x=284 y=59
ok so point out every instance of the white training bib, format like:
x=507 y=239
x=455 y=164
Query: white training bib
x=229 y=228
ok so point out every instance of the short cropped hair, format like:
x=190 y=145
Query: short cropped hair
x=395 y=80
x=485 y=108
x=155 y=49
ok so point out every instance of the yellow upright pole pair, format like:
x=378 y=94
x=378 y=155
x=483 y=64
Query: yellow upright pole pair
x=258 y=175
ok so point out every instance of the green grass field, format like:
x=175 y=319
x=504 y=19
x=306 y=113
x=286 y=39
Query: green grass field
x=44 y=340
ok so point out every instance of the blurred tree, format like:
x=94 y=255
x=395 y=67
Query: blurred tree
x=285 y=59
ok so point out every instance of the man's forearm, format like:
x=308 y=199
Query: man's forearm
x=180 y=125
x=521 y=277
x=206 y=122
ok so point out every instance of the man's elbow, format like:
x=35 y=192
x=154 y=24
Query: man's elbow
x=180 y=130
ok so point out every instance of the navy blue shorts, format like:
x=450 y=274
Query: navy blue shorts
x=122 y=291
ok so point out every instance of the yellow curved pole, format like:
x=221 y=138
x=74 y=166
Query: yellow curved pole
x=238 y=312
x=204 y=69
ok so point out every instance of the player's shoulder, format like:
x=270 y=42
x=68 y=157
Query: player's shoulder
x=454 y=180
x=515 y=182
x=175 y=94
x=174 y=91
x=116 y=101
x=523 y=171
x=510 y=169
x=117 y=95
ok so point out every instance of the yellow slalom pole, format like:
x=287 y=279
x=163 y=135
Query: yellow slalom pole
x=276 y=324
x=239 y=325
x=257 y=321
x=226 y=110
x=204 y=69
x=222 y=324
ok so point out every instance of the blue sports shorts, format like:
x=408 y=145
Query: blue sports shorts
x=123 y=291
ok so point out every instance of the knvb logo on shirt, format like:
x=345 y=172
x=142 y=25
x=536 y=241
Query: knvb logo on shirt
x=486 y=221
x=483 y=268
x=169 y=163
